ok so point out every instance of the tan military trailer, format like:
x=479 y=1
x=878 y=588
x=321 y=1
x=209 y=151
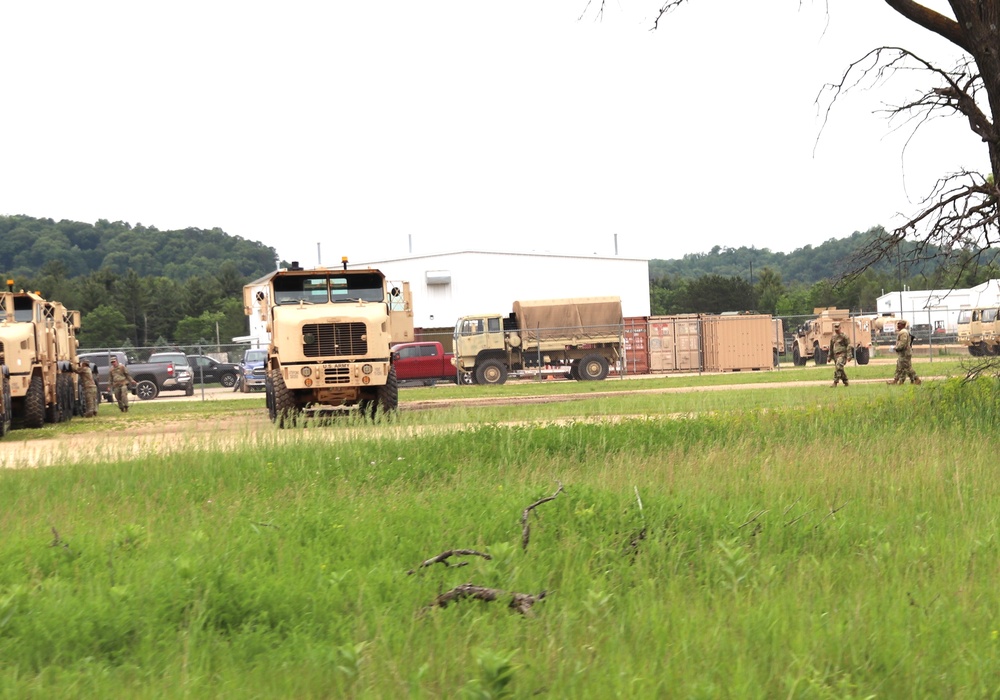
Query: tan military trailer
x=330 y=333
x=812 y=338
x=38 y=345
x=580 y=338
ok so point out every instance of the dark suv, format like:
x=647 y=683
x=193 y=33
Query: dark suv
x=208 y=370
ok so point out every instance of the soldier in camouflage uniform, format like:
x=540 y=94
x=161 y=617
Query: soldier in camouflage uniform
x=839 y=345
x=89 y=389
x=904 y=356
x=120 y=381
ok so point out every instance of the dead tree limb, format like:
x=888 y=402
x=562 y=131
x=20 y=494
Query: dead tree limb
x=519 y=602
x=525 y=533
x=443 y=557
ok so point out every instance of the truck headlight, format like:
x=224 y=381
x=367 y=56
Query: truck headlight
x=366 y=369
x=306 y=371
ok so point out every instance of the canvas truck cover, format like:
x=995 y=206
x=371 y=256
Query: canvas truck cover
x=580 y=320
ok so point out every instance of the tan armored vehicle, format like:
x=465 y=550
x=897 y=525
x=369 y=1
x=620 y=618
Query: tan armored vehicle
x=812 y=338
x=581 y=338
x=330 y=332
x=979 y=330
x=38 y=345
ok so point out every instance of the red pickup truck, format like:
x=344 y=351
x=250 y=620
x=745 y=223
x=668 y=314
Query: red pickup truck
x=423 y=361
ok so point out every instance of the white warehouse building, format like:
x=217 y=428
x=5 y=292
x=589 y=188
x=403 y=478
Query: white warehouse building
x=446 y=286
x=938 y=308
x=449 y=285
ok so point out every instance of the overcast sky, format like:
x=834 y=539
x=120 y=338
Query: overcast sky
x=380 y=129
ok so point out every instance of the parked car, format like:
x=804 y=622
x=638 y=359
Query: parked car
x=423 y=361
x=253 y=371
x=208 y=370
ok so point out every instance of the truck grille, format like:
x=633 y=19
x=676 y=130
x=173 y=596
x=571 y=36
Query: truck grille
x=334 y=339
x=337 y=375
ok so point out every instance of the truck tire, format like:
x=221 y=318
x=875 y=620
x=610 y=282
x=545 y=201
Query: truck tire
x=5 y=406
x=796 y=357
x=819 y=357
x=189 y=391
x=592 y=368
x=147 y=390
x=491 y=372
x=283 y=410
x=387 y=395
x=228 y=380
x=34 y=404
x=862 y=355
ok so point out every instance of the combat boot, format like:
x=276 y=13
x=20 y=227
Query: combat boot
x=891 y=381
x=845 y=382
x=917 y=381
x=835 y=384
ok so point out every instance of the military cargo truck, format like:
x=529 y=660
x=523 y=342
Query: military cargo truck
x=38 y=344
x=579 y=338
x=978 y=330
x=330 y=336
x=812 y=338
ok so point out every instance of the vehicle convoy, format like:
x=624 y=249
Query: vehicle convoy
x=423 y=361
x=581 y=338
x=167 y=371
x=208 y=370
x=38 y=347
x=330 y=337
x=812 y=338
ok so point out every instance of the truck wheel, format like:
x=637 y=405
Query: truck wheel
x=34 y=404
x=491 y=372
x=228 y=380
x=862 y=355
x=283 y=410
x=5 y=407
x=147 y=390
x=466 y=378
x=819 y=357
x=387 y=395
x=593 y=368
x=190 y=390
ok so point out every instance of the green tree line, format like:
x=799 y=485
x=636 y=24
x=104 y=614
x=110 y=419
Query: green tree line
x=136 y=285
x=792 y=284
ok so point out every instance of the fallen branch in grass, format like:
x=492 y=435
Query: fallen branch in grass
x=519 y=602
x=443 y=557
x=525 y=534
x=751 y=519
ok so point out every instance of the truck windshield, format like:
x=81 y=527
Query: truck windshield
x=292 y=289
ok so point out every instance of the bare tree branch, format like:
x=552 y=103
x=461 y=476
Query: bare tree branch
x=527 y=511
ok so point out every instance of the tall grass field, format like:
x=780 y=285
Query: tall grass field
x=762 y=542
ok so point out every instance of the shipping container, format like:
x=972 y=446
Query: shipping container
x=674 y=343
x=736 y=343
x=635 y=334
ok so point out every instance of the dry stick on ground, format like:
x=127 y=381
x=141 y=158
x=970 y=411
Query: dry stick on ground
x=525 y=535
x=442 y=558
x=751 y=519
x=519 y=602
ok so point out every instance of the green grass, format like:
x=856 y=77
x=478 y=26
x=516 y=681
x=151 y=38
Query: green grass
x=781 y=542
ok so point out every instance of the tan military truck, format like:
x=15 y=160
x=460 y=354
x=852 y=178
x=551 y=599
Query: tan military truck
x=38 y=344
x=812 y=338
x=330 y=333
x=579 y=338
x=978 y=331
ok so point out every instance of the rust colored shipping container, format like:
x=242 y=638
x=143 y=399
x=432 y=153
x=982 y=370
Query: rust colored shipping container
x=674 y=343
x=636 y=360
x=738 y=343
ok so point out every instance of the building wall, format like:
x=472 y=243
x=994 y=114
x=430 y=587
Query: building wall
x=930 y=306
x=451 y=285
